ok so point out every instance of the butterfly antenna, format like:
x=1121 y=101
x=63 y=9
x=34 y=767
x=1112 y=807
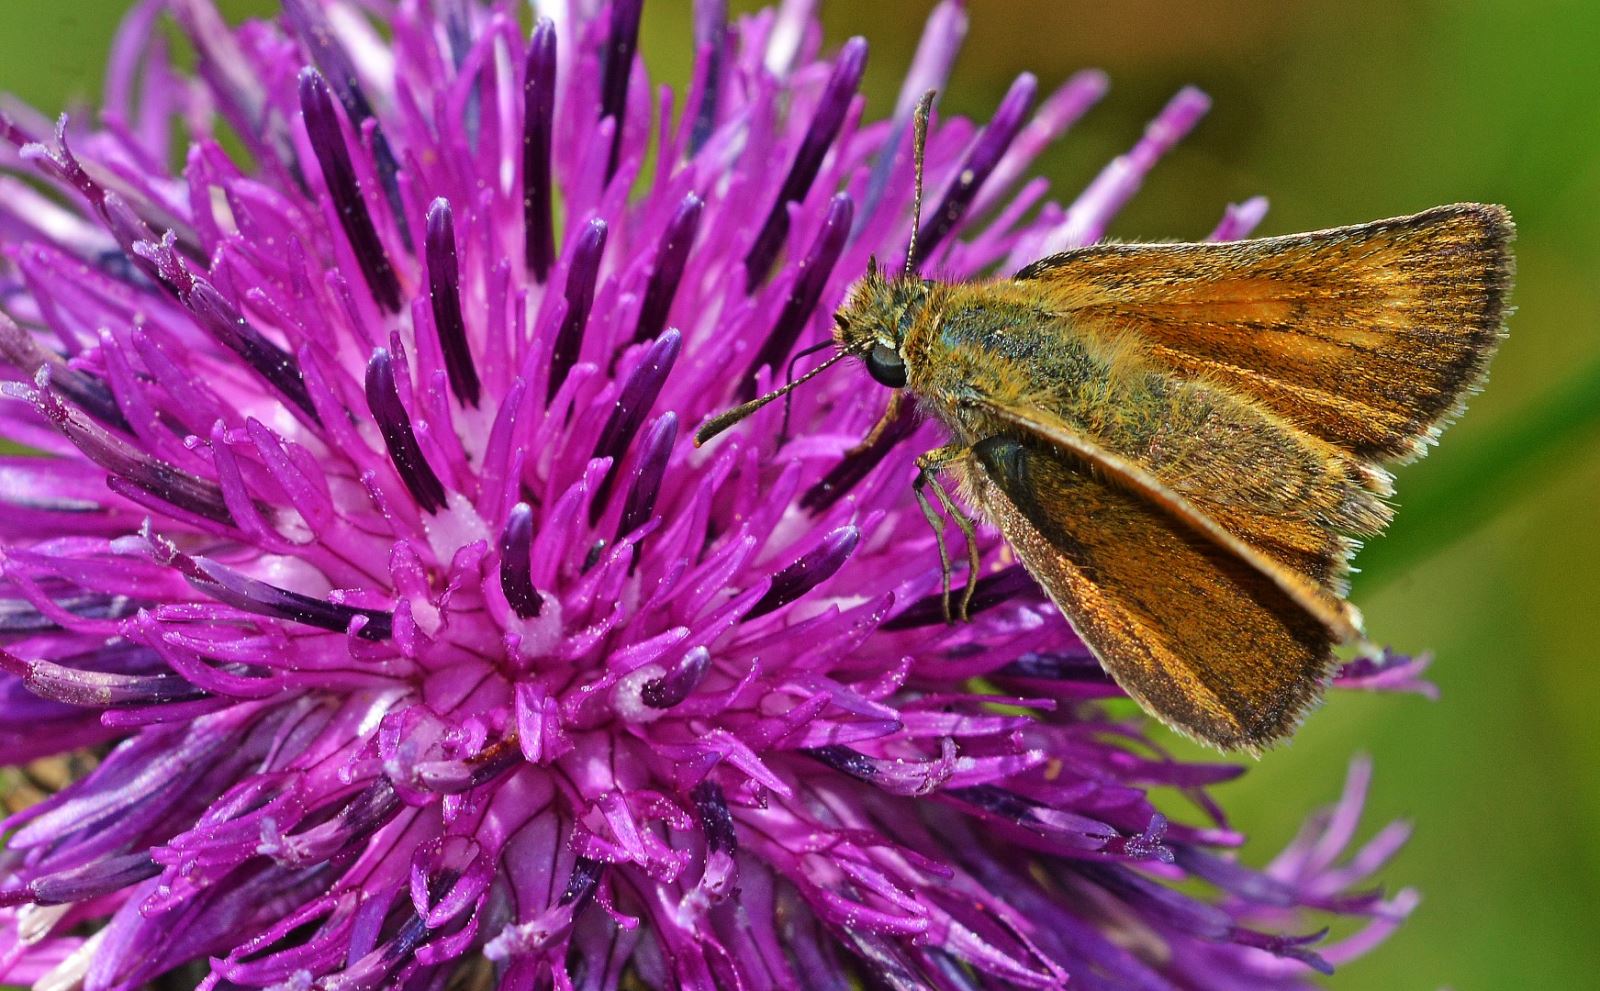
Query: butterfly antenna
x=722 y=421
x=788 y=380
x=919 y=143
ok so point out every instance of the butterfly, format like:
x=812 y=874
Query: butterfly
x=1184 y=443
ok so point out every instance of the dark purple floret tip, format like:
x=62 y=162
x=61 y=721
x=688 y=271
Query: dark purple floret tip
x=538 y=98
x=992 y=144
x=251 y=595
x=710 y=30
x=715 y=818
x=808 y=571
x=516 y=577
x=316 y=34
x=383 y=399
x=639 y=392
x=649 y=469
x=444 y=292
x=811 y=277
x=234 y=332
x=622 y=41
x=819 y=137
x=338 y=174
x=667 y=271
x=582 y=272
x=674 y=686
x=992 y=590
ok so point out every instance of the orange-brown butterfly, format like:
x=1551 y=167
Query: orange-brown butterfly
x=1183 y=442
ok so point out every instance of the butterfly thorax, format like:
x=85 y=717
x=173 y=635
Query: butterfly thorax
x=974 y=340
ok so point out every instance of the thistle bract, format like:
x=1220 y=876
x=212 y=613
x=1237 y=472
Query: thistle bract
x=358 y=567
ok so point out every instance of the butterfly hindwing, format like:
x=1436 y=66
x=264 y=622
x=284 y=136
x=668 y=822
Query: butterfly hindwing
x=1304 y=561
x=1201 y=637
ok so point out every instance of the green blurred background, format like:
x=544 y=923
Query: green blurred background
x=1339 y=113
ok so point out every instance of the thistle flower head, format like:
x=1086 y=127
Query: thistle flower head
x=362 y=570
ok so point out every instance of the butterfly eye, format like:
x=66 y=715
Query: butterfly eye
x=886 y=366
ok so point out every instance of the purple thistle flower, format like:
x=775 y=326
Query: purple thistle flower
x=362 y=560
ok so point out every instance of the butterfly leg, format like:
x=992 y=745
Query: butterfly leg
x=928 y=467
x=891 y=413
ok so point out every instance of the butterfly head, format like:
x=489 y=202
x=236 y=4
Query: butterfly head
x=873 y=322
x=877 y=314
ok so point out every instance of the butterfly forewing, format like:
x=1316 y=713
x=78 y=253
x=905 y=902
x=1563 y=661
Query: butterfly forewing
x=1368 y=337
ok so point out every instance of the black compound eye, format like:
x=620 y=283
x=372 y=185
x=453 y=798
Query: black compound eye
x=886 y=366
